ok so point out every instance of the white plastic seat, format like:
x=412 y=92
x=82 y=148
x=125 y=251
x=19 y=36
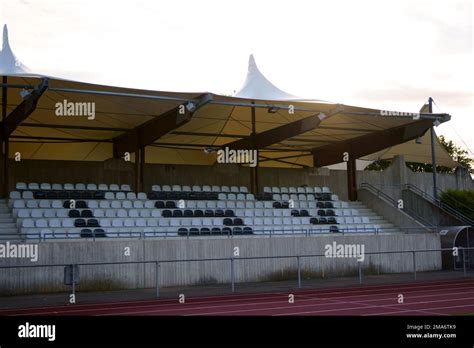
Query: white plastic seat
x=292 y=189
x=21 y=186
x=268 y=221
x=80 y=187
x=267 y=189
x=300 y=190
x=225 y=189
x=176 y=188
x=241 y=197
x=268 y=212
x=27 y=195
x=40 y=223
x=45 y=186
x=164 y=222
x=326 y=189
x=211 y=205
x=248 y=221
x=104 y=222
x=275 y=189
x=258 y=221
x=68 y=187
x=28 y=223
x=354 y=212
x=133 y=213
x=309 y=189
x=117 y=223
x=357 y=220
x=231 y=205
x=109 y=195
x=54 y=223
x=234 y=189
x=215 y=188
x=196 y=188
x=250 y=205
x=32 y=204
x=121 y=195
x=15 y=195
x=268 y=204
x=130 y=195
x=149 y=204
x=220 y=205
x=23 y=213
x=91 y=187
x=310 y=197
x=156 y=213
x=222 y=196
x=103 y=187
x=175 y=222
x=156 y=188
x=127 y=204
x=121 y=213
x=186 y=188
x=142 y=196
x=249 y=213
x=302 y=197
x=277 y=197
x=92 y=204
x=243 y=189
x=145 y=213
x=152 y=222
x=201 y=205
x=259 y=205
x=334 y=197
x=104 y=204
x=258 y=212
x=191 y=204
x=125 y=187
x=277 y=213
x=317 y=189
x=44 y=203
x=116 y=204
x=49 y=213
x=196 y=222
x=36 y=213
x=33 y=186
x=114 y=187
x=250 y=197
x=111 y=213
x=99 y=213
x=138 y=204
x=365 y=220
x=128 y=223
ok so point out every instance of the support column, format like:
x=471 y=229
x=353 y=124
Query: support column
x=433 y=150
x=253 y=170
x=136 y=170
x=142 y=169
x=4 y=140
x=351 y=179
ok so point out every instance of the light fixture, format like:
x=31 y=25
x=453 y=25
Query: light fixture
x=209 y=150
x=273 y=109
x=418 y=140
x=24 y=93
x=436 y=123
x=190 y=106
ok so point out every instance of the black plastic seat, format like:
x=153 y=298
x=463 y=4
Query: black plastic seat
x=326 y=196
x=87 y=195
x=93 y=223
x=321 y=212
x=99 y=195
x=323 y=220
x=159 y=204
x=63 y=195
x=152 y=196
x=205 y=231
x=170 y=204
x=198 y=213
x=81 y=205
x=318 y=196
x=193 y=231
x=226 y=230
x=192 y=196
x=295 y=213
x=209 y=213
x=39 y=195
x=188 y=213
x=216 y=231
x=277 y=205
x=51 y=195
x=219 y=213
x=74 y=213
x=166 y=213
x=304 y=213
x=330 y=212
x=238 y=222
x=86 y=213
x=182 y=231
x=74 y=195
x=320 y=204
x=177 y=213
x=314 y=221
x=99 y=233
x=229 y=213
x=333 y=229
x=79 y=223
x=332 y=220
x=248 y=230
x=237 y=230
x=328 y=205
x=285 y=205
x=228 y=222
x=86 y=233
x=173 y=196
x=161 y=196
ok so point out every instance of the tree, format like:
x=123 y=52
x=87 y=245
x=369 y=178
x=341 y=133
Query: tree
x=457 y=153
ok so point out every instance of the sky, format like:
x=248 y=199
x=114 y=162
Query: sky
x=390 y=54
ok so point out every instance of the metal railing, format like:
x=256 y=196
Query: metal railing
x=448 y=207
x=304 y=232
x=381 y=194
x=234 y=260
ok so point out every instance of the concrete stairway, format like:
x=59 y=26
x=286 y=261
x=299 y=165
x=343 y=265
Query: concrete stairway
x=374 y=218
x=8 y=228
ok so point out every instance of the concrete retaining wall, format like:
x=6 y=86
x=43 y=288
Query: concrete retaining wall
x=32 y=280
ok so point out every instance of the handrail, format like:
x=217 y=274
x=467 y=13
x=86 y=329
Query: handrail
x=443 y=206
x=392 y=201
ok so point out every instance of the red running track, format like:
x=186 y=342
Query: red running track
x=451 y=297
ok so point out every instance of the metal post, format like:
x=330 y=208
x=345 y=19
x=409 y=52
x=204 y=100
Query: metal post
x=232 y=275
x=74 y=282
x=299 y=272
x=142 y=169
x=360 y=272
x=433 y=150
x=4 y=142
x=464 y=261
x=414 y=264
x=157 y=272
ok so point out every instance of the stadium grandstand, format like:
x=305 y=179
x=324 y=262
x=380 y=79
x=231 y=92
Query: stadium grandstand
x=88 y=170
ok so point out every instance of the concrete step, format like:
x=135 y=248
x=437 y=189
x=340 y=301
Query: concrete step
x=8 y=231
x=4 y=225
x=6 y=220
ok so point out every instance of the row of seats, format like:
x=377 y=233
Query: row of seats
x=139 y=204
x=197 y=188
x=305 y=197
x=305 y=189
x=32 y=186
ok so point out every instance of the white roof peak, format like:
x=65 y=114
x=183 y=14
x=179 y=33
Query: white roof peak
x=9 y=64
